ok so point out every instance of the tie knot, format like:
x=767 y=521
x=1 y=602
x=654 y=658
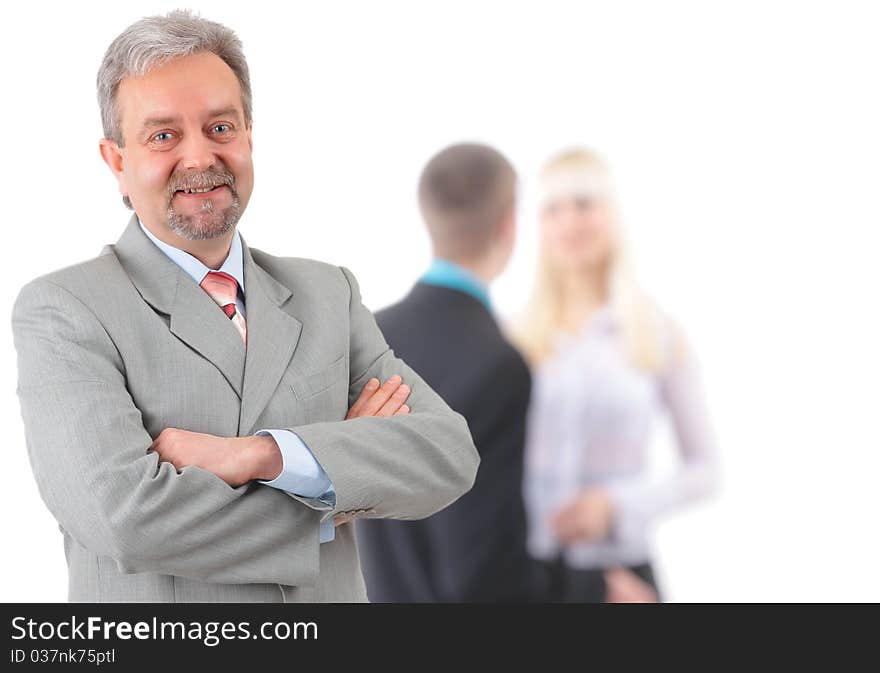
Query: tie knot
x=221 y=287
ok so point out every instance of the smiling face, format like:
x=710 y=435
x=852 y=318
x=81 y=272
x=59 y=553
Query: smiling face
x=185 y=161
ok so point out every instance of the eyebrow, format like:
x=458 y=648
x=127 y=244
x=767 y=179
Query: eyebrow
x=224 y=111
x=152 y=122
x=157 y=121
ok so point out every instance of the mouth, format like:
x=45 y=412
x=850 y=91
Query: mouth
x=208 y=190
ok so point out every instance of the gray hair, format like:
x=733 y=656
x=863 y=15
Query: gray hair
x=155 y=40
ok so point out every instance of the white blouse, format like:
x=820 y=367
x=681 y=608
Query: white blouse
x=590 y=420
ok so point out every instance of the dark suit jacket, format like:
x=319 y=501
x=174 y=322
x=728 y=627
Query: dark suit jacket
x=474 y=550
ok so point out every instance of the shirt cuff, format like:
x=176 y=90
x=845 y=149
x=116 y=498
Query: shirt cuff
x=327 y=531
x=302 y=475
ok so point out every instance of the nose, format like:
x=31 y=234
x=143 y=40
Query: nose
x=196 y=152
x=568 y=215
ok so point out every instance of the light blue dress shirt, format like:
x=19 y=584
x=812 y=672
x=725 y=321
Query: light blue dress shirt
x=301 y=474
x=444 y=273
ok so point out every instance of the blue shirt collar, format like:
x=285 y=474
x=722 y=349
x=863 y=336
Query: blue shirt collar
x=444 y=273
x=233 y=265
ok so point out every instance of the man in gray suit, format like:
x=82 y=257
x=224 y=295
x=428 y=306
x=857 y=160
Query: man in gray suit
x=199 y=413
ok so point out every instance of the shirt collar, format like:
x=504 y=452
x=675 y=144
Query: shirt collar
x=233 y=264
x=444 y=273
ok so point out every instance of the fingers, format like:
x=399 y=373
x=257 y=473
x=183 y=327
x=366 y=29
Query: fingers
x=380 y=397
x=563 y=524
x=573 y=522
x=566 y=531
x=385 y=400
x=565 y=515
x=624 y=586
x=371 y=387
x=395 y=402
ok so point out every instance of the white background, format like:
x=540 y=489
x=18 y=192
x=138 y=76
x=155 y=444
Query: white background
x=745 y=141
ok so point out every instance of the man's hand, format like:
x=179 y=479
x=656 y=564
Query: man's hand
x=375 y=400
x=588 y=517
x=624 y=586
x=236 y=460
x=385 y=400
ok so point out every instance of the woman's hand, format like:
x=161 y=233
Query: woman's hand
x=624 y=586
x=588 y=517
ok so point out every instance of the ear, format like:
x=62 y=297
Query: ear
x=507 y=226
x=111 y=153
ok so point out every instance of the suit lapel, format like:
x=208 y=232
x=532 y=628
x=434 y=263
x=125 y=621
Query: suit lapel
x=195 y=318
x=273 y=334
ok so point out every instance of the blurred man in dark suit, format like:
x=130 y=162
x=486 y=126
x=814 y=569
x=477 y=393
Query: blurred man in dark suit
x=474 y=550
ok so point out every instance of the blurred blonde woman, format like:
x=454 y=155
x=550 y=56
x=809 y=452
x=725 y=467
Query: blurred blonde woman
x=605 y=360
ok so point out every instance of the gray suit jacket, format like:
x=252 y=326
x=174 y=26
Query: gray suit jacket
x=113 y=350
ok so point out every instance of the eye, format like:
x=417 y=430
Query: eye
x=162 y=137
x=583 y=203
x=221 y=128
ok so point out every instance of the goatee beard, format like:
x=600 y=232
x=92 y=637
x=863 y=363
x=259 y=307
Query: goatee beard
x=207 y=223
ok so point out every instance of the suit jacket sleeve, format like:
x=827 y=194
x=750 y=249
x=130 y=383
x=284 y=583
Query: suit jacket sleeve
x=402 y=467
x=88 y=449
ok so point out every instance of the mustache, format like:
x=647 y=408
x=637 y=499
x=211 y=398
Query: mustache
x=213 y=176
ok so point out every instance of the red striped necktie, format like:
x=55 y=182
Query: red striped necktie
x=223 y=289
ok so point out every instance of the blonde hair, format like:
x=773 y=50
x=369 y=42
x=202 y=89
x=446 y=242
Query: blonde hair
x=636 y=314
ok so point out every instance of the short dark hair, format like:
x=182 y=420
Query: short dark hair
x=465 y=191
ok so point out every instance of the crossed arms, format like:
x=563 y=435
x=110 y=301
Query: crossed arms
x=238 y=460
x=89 y=452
